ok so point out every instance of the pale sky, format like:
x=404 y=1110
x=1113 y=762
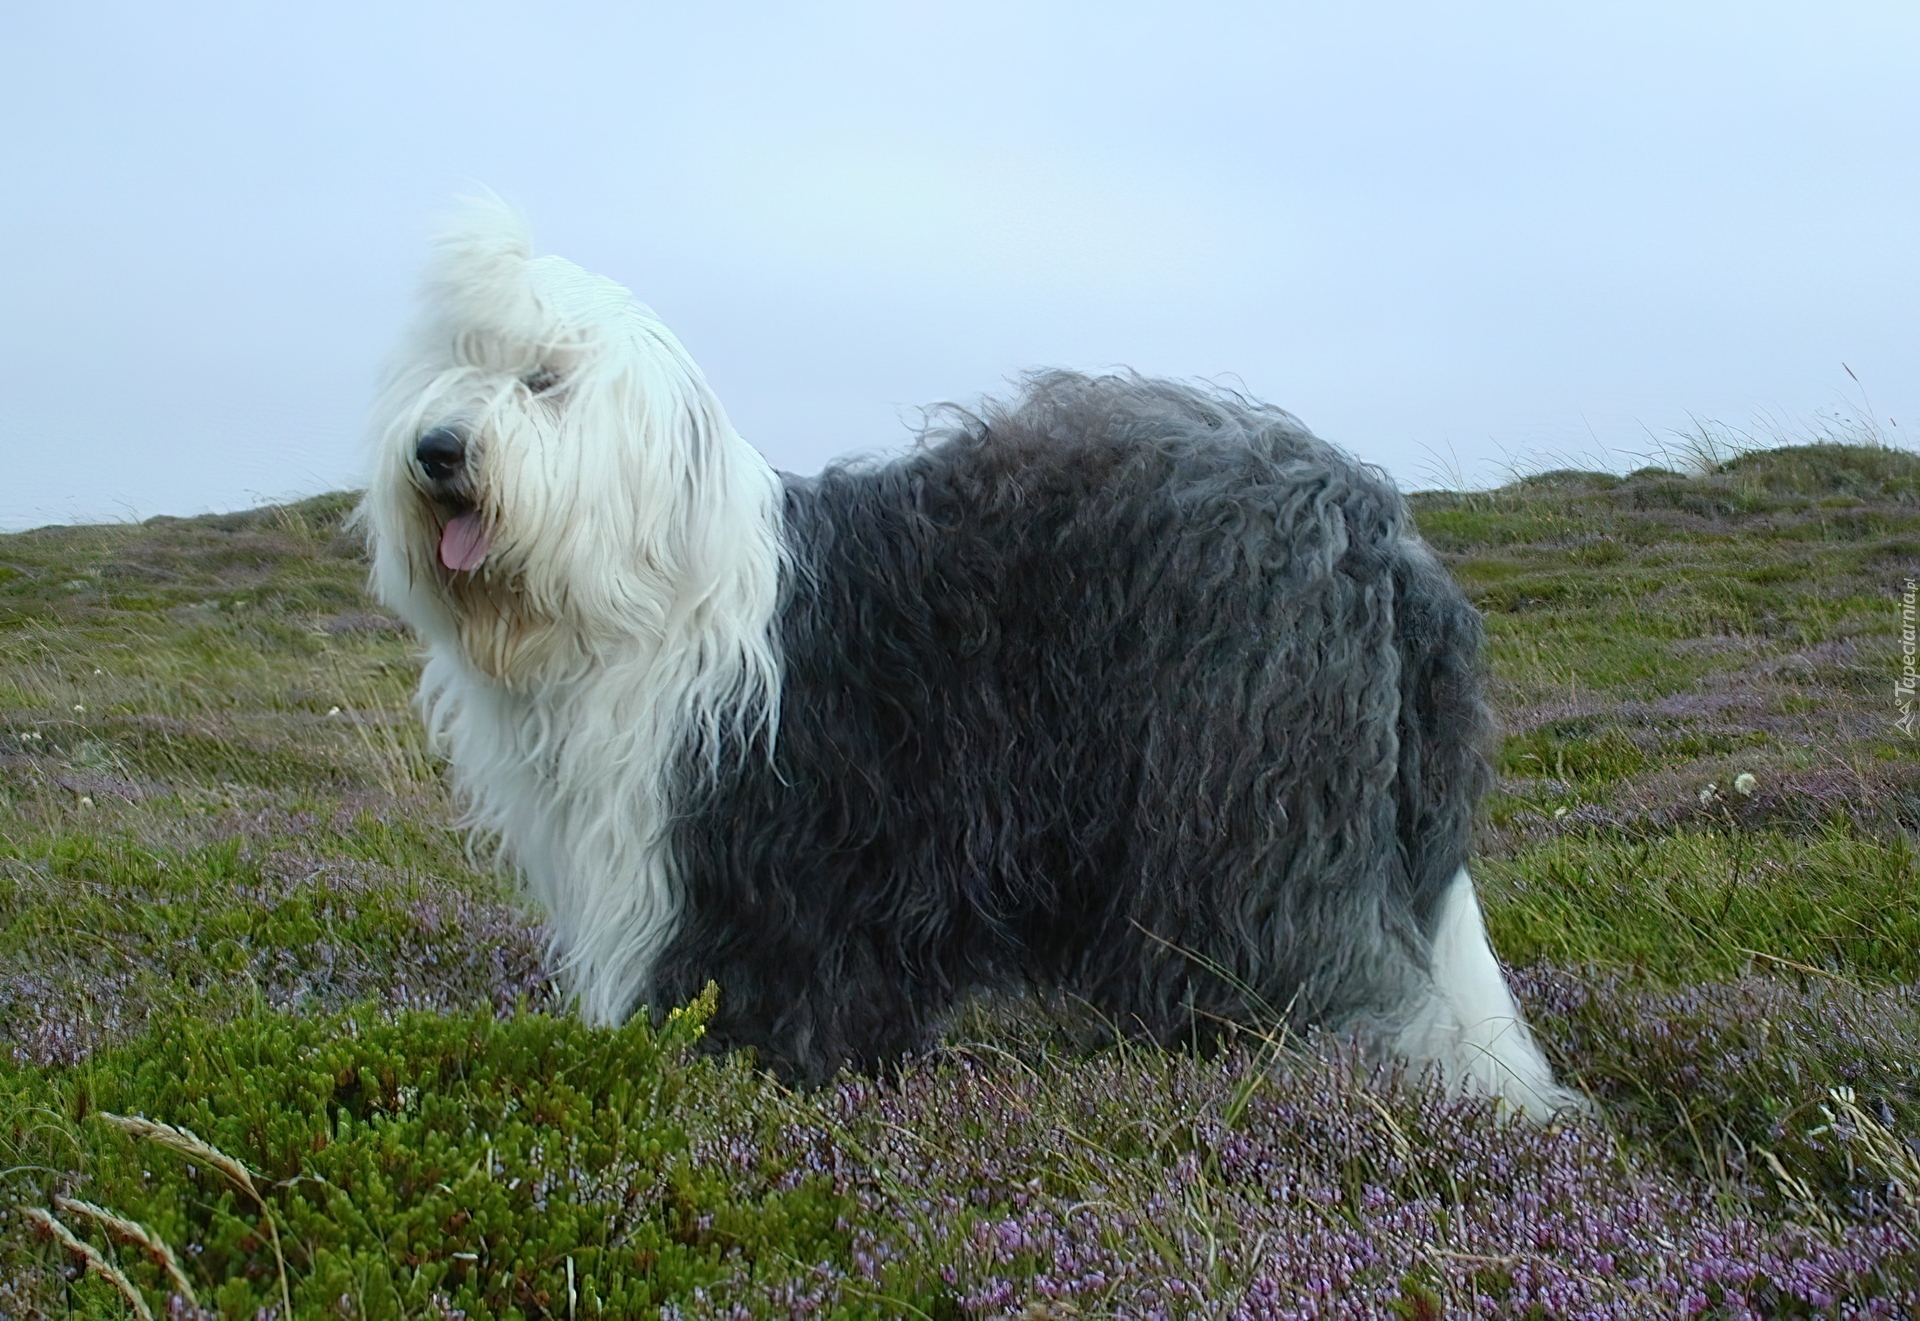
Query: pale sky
x=1448 y=237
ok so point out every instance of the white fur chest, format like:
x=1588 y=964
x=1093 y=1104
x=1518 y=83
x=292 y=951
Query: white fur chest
x=573 y=780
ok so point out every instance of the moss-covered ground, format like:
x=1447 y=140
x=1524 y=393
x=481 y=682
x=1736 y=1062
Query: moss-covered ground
x=233 y=901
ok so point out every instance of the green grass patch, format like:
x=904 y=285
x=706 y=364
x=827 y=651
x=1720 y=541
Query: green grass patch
x=1704 y=904
x=1568 y=753
x=117 y=933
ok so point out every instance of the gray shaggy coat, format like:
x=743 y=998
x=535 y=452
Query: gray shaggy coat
x=1130 y=688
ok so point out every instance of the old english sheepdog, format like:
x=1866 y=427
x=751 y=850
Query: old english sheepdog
x=1125 y=687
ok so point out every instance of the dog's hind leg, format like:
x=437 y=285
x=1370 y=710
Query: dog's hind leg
x=1469 y=1023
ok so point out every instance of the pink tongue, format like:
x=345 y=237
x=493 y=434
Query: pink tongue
x=463 y=542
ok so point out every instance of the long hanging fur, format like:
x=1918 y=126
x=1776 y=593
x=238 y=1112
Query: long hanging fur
x=1130 y=687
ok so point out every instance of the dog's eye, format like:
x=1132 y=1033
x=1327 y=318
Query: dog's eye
x=541 y=381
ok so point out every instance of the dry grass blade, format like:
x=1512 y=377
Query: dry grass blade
x=1879 y=1146
x=95 y=1263
x=184 y=1142
x=132 y=1231
x=1798 y=1193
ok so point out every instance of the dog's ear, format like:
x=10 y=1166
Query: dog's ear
x=478 y=276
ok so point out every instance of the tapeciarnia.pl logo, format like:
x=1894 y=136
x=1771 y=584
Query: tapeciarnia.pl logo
x=1903 y=687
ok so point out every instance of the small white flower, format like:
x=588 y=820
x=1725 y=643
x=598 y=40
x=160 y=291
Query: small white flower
x=85 y=801
x=333 y=710
x=79 y=708
x=1743 y=784
x=1708 y=794
x=99 y=671
x=1559 y=812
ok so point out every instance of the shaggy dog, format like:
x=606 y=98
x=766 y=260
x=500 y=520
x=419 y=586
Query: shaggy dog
x=1126 y=687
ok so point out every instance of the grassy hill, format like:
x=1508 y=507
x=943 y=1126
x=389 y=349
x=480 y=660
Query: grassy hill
x=232 y=901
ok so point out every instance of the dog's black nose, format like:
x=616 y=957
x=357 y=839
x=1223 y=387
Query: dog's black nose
x=441 y=452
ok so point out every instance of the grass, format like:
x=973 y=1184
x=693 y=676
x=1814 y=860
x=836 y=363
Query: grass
x=1716 y=904
x=233 y=900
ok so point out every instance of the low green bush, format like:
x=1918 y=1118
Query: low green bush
x=496 y=1166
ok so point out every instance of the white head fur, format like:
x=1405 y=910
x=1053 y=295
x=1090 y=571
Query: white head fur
x=622 y=603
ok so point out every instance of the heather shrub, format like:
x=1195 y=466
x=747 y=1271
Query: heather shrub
x=1717 y=1074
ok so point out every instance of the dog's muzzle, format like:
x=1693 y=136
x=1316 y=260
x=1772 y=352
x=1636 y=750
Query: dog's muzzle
x=464 y=539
